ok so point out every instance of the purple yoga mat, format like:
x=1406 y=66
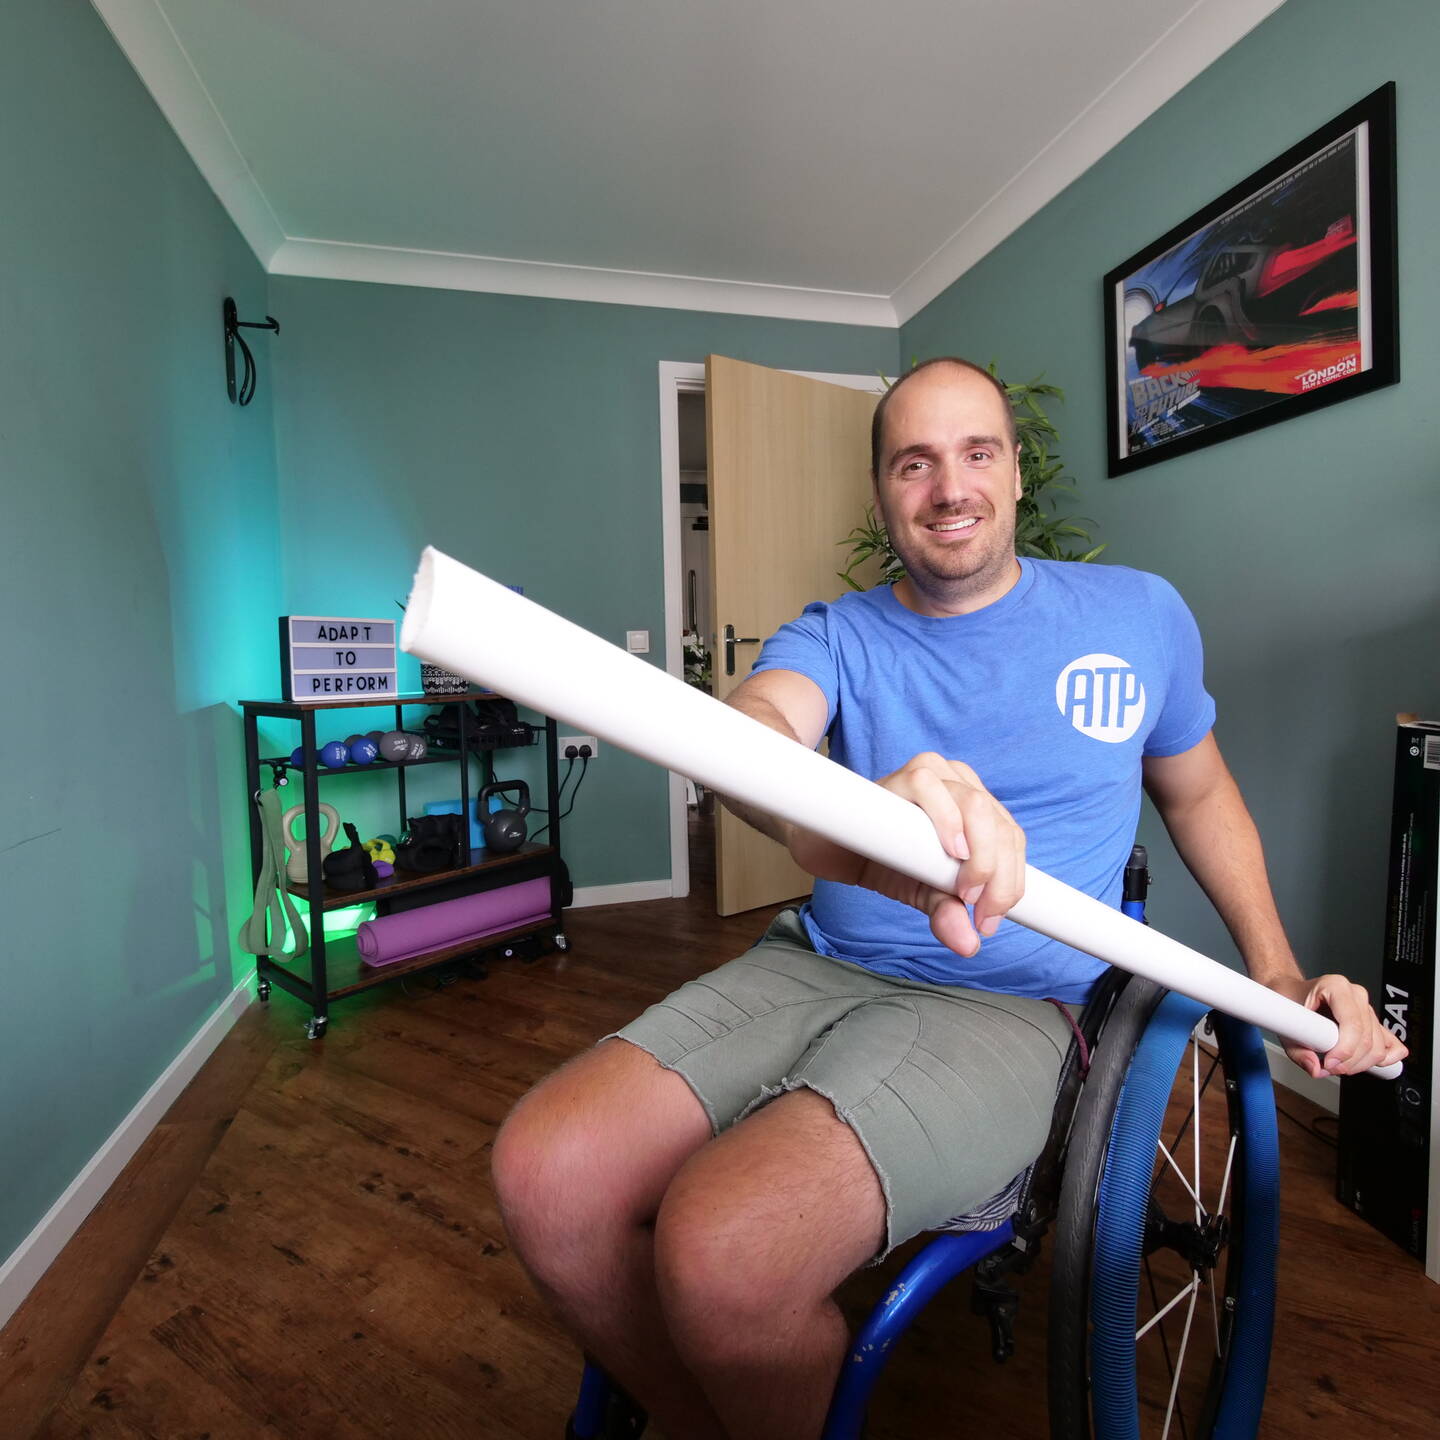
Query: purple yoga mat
x=451 y=922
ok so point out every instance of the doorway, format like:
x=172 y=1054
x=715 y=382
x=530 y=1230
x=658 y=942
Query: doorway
x=684 y=467
x=697 y=632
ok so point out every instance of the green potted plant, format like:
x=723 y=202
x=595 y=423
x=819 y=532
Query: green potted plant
x=1039 y=531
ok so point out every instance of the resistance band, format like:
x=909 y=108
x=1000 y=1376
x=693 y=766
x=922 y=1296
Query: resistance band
x=272 y=898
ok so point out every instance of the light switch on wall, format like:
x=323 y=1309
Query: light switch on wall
x=637 y=642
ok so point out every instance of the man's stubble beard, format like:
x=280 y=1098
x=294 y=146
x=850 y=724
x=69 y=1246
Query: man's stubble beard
x=966 y=578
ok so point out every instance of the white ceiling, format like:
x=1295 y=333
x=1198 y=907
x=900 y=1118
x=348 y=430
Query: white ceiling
x=825 y=159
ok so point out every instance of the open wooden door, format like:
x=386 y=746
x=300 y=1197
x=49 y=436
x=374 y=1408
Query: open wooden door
x=789 y=478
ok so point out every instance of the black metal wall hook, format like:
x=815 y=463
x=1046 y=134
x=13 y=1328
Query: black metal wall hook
x=233 y=326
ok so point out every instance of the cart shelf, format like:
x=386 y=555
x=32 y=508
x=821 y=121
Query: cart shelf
x=349 y=974
x=403 y=881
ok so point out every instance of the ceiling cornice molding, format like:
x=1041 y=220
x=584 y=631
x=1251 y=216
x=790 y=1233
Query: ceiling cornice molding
x=144 y=34
x=1195 y=41
x=437 y=270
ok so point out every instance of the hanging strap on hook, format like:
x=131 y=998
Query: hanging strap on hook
x=272 y=897
x=233 y=326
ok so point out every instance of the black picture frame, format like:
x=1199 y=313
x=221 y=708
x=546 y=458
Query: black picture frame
x=1263 y=305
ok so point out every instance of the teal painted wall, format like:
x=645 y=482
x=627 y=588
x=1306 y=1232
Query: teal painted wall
x=139 y=578
x=1310 y=552
x=522 y=436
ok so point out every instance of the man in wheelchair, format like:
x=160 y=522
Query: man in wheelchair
x=689 y=1195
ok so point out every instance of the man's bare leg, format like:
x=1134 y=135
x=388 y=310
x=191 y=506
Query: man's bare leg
x=755 y=1234
x=581 y=1166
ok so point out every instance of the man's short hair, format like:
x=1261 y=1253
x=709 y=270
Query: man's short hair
x=877 y=424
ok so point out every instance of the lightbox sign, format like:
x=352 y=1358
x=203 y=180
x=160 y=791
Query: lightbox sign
x=329 y=657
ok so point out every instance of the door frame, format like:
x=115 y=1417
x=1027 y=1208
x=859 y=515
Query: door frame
x=678 y=377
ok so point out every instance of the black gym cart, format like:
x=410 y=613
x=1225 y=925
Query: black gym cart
x=333 y=970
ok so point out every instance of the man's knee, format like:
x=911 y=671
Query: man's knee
x=592 y=1147
x=715 y=1271
x=772 y=1217
x=538 y=1160
x=550 y=1158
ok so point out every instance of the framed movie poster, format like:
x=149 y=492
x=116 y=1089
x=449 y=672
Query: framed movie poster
x=1274 y=300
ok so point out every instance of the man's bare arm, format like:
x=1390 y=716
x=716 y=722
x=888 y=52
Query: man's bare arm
x=1207 y=818
x=793 y=706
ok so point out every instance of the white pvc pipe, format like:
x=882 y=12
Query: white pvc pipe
x=459 y=619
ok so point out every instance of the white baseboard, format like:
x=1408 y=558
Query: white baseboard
x=22 y=1271
x=1325 y=1093
x=622 y=894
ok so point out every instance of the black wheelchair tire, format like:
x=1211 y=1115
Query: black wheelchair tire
x=1069 y=1325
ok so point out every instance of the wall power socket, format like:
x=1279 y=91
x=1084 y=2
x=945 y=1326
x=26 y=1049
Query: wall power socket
x=577 y=741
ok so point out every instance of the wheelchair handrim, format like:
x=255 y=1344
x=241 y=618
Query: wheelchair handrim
x=1127 y=1212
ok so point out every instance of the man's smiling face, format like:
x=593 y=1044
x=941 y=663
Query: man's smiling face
x=947 y=487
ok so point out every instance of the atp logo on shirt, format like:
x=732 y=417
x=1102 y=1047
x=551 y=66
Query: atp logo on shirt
x=1102 y=697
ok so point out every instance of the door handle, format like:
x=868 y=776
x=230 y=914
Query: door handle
x=731 y=641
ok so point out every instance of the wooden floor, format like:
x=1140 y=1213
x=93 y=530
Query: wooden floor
x=309 y=1246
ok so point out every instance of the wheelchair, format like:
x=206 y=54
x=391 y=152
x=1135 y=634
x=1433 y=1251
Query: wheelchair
x=1162 y=1202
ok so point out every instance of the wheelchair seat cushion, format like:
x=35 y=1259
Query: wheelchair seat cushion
x=948 y=1090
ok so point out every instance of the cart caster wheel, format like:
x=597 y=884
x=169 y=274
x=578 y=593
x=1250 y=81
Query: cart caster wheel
x=562 y=940
x=315 y=1030
x=508 y=953
x=262 y=991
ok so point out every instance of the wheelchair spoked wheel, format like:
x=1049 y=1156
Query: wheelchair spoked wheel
x=1162 y=1298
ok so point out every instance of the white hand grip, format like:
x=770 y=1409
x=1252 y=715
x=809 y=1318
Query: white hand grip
x=459 y=619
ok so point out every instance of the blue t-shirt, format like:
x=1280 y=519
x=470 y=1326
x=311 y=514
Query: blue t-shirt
x=1052 y=694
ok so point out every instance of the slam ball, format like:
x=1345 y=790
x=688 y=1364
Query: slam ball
x=336 y=755
x=418 y=748
x=395 y=746
x=297 y=756
x=363 y=750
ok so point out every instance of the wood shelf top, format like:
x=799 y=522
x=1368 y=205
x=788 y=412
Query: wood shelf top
x=368 y=702
x=437 y=757
x=434 y=757
x=410 y=880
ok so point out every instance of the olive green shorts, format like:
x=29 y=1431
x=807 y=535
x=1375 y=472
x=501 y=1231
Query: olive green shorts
x=948 y=1090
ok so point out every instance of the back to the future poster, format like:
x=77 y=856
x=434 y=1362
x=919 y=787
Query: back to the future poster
x=1264 y=302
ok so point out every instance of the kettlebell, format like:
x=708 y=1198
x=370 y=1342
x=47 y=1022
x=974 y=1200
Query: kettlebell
x=297 y=866
x=505 y=829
